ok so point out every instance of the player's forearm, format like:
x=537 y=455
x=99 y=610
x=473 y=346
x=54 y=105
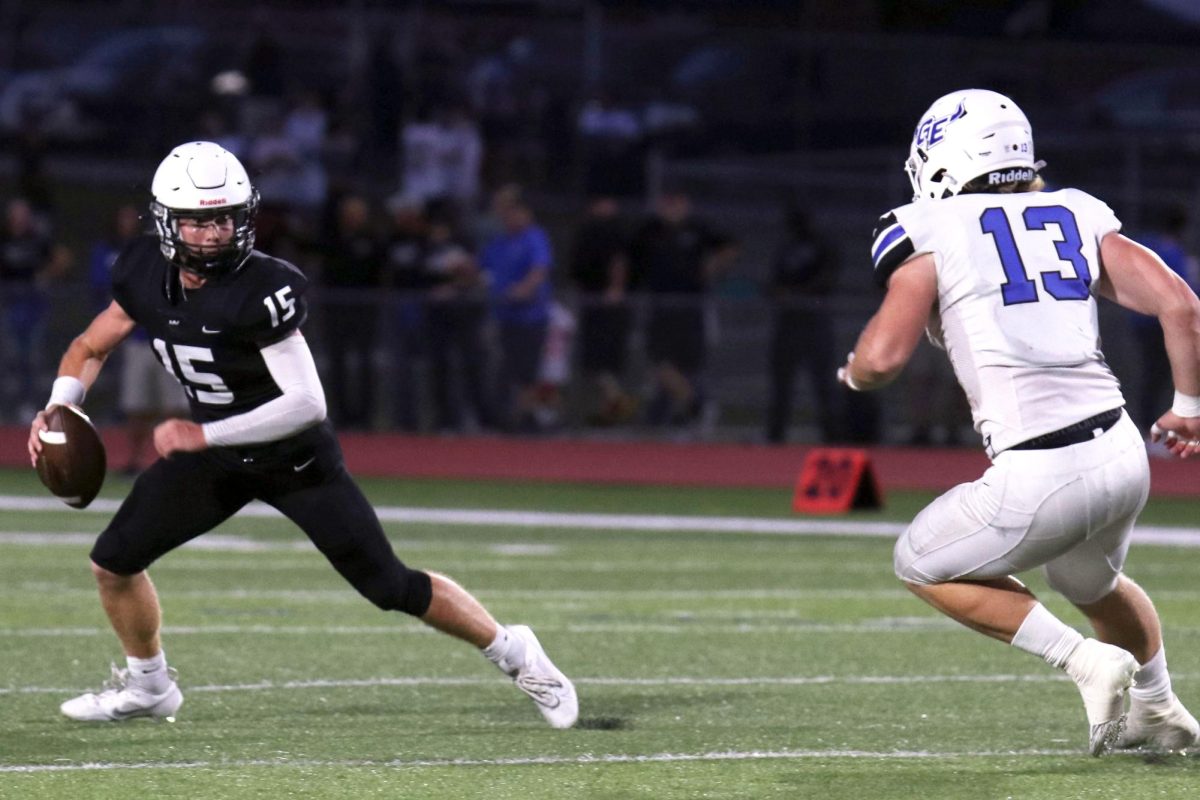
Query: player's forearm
x=81 y=362
x=878 y=358
x=1181 y=335
x=864 y=373
x=888 y=341
x=87 y=352
x=300 y=406
x=276 y=419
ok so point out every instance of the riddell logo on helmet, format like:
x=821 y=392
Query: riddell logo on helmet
x=1011 y=176
x=220 y=201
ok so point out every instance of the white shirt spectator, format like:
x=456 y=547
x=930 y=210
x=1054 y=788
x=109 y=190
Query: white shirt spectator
x=442 y=159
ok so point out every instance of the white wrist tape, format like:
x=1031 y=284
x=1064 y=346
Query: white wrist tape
x=843 y=373
x=1186 y=405
x=69 y=390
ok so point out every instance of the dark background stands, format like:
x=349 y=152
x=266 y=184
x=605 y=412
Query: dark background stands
x=351 y=275
x=804 y=274
x=599 y=267
x=675 y=257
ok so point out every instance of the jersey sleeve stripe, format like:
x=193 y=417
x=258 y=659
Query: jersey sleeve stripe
x=891 y=259
x=886 y=240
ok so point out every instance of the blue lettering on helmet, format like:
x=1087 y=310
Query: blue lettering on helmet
x=933 y=130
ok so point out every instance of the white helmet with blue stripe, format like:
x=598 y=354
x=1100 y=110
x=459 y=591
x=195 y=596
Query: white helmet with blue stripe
x=969 y=134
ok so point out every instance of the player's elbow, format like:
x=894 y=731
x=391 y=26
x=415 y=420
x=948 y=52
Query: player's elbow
x=82 y=349
x=876 y=368
x=306 y=406
x=869 y=379
x=313 y=406
x=1180 y=310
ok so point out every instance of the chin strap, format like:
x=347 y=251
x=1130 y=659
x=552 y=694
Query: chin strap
x=173 y=286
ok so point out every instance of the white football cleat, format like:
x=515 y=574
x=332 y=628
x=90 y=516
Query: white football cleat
x=1163 y=726
x=120 y=700
x=1103 y=673
x=536 y=676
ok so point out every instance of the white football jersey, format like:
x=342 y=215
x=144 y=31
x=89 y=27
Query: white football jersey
x=1016 y=311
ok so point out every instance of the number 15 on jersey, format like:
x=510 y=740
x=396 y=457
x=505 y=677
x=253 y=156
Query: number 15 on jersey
x=280 y=301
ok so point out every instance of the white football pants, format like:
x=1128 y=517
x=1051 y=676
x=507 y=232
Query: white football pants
x=1069 y=510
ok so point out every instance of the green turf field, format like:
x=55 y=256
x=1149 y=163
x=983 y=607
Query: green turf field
x=709 y=664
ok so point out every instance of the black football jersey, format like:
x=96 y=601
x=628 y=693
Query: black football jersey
x=209 y=338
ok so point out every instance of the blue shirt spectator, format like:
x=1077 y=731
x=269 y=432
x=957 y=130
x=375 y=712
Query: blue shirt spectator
x=517 y=262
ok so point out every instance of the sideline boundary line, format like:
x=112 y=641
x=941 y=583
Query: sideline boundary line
x=1149 y=534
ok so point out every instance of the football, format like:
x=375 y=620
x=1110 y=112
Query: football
x=72 y=462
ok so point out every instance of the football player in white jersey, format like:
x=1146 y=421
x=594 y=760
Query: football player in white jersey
x=1004 y=276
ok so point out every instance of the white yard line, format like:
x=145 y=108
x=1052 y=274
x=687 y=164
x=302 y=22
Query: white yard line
x=549 y=595
x=427 y=682
x=23 y=589
x=873 y=626
x=535 y=761
x=1180 y=537
x=424 y=682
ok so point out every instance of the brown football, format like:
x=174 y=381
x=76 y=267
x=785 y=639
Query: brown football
x=72 y=462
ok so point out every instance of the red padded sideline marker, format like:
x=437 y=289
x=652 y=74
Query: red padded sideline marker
x=834 y=480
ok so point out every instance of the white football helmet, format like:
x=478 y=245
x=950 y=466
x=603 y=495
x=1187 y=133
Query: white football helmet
x=202 y=180
x=965 y=135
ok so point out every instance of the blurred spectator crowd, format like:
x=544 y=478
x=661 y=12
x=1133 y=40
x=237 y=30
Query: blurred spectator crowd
x=441 y=302
x=487 y=251
x=433 y=315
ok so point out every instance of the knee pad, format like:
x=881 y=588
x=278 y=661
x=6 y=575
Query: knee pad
x=417 y=593
x=394 y=589
x=108 y=552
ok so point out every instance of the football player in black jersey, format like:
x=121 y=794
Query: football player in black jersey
x=225 y=320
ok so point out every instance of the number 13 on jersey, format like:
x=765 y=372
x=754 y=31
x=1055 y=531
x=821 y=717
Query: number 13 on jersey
x=1018 y=287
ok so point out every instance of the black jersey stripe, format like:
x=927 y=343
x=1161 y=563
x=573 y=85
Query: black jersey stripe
x=890 y=260
x=890 y=247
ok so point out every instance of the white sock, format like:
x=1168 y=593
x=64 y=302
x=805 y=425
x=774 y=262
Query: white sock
x=1046 y=636
x=1152 y=682
x=506 y=651
x=150 y=673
